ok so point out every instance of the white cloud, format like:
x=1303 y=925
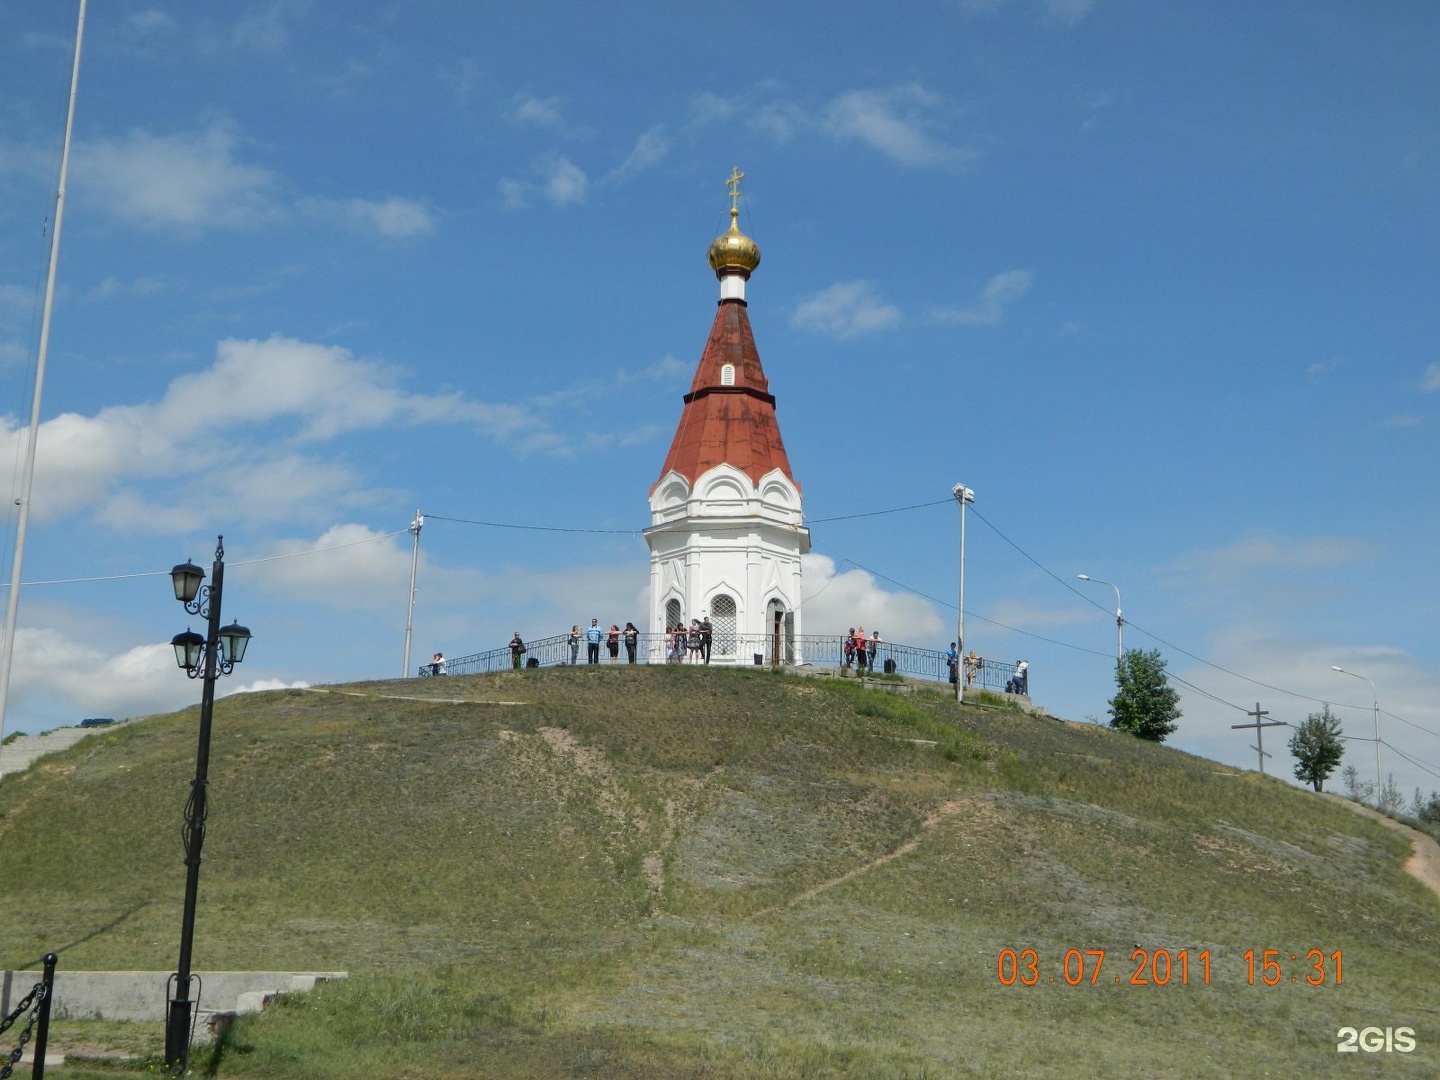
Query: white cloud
x=112 y=287
x=1057 y=12
x=565 y=182
x=1431 y=382
x=18 y=298
x=781 y=120
x=896 y=122
x=649 y=149
x=1024 y=616
x=392 y=216
x=988 y=309
x=80 y=679
x=185 y=181
x=266 y=28
x=556 y=179
x=845 y=310
x=347 y=567
x=905 y=123
x=710 y=108
x=542 y=112
x=1263 y=554
x=834 y=602
x=55 y=673
x=1067 y=12
x=268 y=399
x=151 y=19
x=260 y=685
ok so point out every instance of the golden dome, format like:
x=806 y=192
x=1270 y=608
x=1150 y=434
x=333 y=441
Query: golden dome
x=734 y=253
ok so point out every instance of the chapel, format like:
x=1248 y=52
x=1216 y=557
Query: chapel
x=727 y=531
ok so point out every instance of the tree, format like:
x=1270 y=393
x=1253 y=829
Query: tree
x=1144 y=704
x=1357 y=789
x=1317 y=748
x=1428 y=812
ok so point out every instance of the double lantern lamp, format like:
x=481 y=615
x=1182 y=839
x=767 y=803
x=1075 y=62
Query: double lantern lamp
x=190 y=646
x=205 y=658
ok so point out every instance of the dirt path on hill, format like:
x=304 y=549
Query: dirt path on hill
x=948 y=809
x=1424 y=862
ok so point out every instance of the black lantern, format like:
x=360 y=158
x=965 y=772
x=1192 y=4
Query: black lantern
x=233 y=640
x=187 y=577
x=189 y=648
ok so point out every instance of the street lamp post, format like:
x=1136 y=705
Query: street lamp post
x=1119 y=618
x=207 y=659
x=964 y=496
x=1375 y=697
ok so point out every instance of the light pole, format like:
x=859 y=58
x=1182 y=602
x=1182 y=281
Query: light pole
x=1119 y=619
x=207 y=659
x=1376 y=698
x=415 y=527
x=964 y=496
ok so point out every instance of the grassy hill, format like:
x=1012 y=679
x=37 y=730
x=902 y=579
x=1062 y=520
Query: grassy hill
x=692 y=872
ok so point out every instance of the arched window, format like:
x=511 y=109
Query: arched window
x=672 y=613
x=722 y=626
x=727 y=375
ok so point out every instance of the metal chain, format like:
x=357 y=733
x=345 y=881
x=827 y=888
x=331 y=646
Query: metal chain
x=25 y=1003
x=32 y=1001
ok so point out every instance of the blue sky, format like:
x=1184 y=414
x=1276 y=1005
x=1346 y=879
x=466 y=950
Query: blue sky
x=1157 y=281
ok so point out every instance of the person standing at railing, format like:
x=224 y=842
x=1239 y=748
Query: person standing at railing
x=632 y=640
x=612 y=642
x=850 y=647
x=874 y=647
x=574 y=644
x=517 y=650
x=973 y=664
x=707 y=636
x=860 y=646
x=437 y=666
x=593 y=634
x=952 y=662
x=694 y=641
x=1019 y=683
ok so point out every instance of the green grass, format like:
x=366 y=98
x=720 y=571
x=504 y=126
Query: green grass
x=676 y=871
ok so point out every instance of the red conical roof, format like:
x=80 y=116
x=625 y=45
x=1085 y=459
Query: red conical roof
x=728 y=423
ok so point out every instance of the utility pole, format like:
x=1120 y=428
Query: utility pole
x=415 y=527
x=1260 y=725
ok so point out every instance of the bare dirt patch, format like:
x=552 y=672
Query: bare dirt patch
x=1424 y=862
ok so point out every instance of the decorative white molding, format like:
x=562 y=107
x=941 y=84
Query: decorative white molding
x=728 y=535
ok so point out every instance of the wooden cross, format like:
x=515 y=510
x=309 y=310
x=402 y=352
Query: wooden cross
x=1260 y=725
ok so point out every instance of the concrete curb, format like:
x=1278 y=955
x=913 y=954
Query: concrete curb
x=141 y=995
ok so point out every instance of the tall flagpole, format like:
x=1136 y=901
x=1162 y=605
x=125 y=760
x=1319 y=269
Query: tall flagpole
x=12 y=603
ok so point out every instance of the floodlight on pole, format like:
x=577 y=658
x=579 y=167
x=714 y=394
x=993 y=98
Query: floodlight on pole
x=1119 y=618
x=1375 y=697
x=964 y=496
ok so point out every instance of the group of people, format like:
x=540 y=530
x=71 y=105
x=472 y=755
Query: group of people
x=692 y=644
x=595 y=635
x=860 y=650
x=971 y=664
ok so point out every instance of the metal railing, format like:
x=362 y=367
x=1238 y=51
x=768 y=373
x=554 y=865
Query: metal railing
x=34 y=1007
x=813 y=650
